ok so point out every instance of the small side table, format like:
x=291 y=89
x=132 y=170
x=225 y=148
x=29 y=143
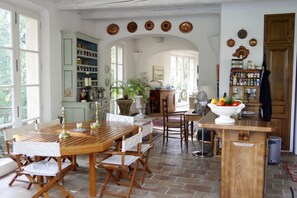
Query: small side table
x=190 y=117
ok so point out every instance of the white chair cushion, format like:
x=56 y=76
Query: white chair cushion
x=144 y=148
x=7 y=165
x=45 y=168
x=117 y=159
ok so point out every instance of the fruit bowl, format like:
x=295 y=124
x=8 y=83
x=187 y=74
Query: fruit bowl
x=225 y=112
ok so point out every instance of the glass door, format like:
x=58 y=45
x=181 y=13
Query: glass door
x=19 y=68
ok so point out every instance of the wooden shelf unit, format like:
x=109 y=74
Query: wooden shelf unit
x=156 y=97
x=245 y=86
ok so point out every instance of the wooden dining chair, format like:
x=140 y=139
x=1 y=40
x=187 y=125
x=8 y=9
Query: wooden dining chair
x=43 y=125
x=119 y=166
x=54 y=171
x=8 y=138
x=173 y=123
x=119 y=118
x=146 y=132
x=51 y=123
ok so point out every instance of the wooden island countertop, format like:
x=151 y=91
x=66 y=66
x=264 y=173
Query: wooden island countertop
x=247 y=123
x=244 y=150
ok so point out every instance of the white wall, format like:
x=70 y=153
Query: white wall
x=203 y=38
x=155 y=51
x=251 y=18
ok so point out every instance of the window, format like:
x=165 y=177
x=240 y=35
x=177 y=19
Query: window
x=116 y=65
x=182 y=77
x=19 y=68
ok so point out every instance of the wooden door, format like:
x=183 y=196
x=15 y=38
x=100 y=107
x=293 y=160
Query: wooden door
x=279 y=46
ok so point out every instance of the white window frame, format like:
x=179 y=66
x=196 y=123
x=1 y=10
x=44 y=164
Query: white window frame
x=119 y=76
x=16 y=75
x=191 y=73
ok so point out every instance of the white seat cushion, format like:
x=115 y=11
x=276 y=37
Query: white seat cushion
x=7 y=165
x=144 y=148
x=117 y=159
x=46 y=168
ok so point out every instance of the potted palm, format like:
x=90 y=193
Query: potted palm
x=135 y=88
x=121 y=88
x=140 y=86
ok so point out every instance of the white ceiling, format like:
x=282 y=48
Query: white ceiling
x=119 y=9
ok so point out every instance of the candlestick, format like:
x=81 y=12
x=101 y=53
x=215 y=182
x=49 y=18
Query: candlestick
x=97 y=114
x=63 y=134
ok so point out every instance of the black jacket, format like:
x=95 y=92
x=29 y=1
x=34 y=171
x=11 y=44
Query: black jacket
x=265 y=96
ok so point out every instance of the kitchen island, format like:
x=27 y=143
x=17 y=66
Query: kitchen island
x=244 y=150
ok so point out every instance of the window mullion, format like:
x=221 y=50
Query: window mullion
x=16 y=73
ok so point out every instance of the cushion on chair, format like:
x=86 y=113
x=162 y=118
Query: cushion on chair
x=117 y=159
x=45 y=168
x=7 y=165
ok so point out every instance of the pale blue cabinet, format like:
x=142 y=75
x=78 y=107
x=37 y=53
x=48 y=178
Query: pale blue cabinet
x=80 y=72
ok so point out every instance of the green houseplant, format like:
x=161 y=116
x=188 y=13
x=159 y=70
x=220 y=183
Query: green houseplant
x=140 y=86
x=135 y=86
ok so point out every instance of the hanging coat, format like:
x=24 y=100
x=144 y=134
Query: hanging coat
x=265 y=96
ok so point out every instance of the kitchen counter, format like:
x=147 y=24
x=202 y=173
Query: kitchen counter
x=243 y=155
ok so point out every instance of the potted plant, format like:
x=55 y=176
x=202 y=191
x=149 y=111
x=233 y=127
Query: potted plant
x=124 y=103
x=140 y=86
x=135 y=86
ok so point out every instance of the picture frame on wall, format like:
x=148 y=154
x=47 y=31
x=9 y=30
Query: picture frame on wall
x=158 y=73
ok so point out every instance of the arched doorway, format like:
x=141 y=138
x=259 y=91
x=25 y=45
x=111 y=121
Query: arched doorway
x=143 y=53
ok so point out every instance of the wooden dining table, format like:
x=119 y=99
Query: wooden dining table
x=82 y=141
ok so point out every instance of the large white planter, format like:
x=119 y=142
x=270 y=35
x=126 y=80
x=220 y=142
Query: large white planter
x=139 y=105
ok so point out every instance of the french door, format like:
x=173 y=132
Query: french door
x=117 y=67
x=182 y=77
x=19 y=67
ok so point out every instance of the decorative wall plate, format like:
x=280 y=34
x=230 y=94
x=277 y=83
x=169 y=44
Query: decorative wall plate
x=241 y=52
x=106 y=69
x=113 y=29
x=242 y=34
x=253 y=42
x=183 y=95
x=149 y=25
x=230 y=43
x=107 y=82
x=186 y=27
x=132 y=27
x=166 y=26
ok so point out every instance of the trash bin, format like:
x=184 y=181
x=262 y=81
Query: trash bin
x=274 y=149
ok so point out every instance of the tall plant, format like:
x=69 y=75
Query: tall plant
x=137 y=85
x=140 y=86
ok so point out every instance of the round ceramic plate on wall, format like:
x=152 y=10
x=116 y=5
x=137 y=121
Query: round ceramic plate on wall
x=106 y=69
x=132 y=27
x=166 y=26
x=113 y=29
x=242 y=34
x=230 y=43
x=107 y=82
x=149 y=25
x=253 y=42
x=185 y=27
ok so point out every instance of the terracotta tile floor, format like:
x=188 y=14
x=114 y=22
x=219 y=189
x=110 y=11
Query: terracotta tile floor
x=176 y=173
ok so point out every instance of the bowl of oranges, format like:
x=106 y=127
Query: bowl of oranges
x=225 y=107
